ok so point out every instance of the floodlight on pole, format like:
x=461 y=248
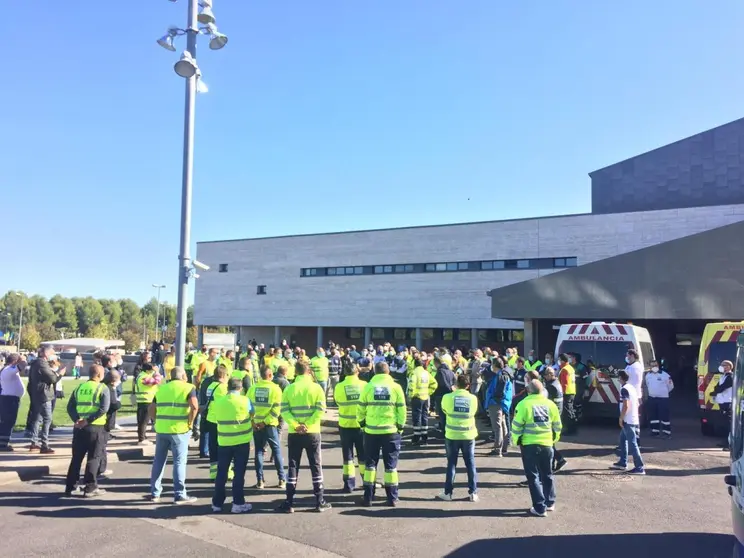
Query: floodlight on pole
x=206 y=15
x=166 y=41
x=186 y=67
x=201 y=87
x=217 y=40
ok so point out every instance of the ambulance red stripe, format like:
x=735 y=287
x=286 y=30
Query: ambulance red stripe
x=572 y=329
x=622 y=330
x=607 y=329
x=583 y=329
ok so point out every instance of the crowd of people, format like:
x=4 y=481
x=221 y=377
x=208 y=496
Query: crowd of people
x=228 y=400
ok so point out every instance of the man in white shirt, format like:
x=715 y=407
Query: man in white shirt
x=630 y=427
x=635 y=371
x=658 y=386
x=11 y=391
x=723 y=394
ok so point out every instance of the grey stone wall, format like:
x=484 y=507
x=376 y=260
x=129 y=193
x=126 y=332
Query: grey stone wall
x=702 y=170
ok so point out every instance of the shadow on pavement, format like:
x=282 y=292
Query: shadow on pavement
x=652 y=545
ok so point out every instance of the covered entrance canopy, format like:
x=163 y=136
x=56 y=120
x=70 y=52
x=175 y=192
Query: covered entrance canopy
x=698 y=277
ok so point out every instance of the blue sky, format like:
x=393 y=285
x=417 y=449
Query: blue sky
x=332 y=115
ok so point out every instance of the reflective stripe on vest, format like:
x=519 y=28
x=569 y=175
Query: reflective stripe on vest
x=88 y=401
x=459 y=408
x=145 y=393
x=266 y=397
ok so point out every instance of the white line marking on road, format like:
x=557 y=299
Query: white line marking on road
x=239 y=539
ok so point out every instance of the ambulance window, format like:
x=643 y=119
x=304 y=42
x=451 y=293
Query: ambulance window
x=647 y=353
x=719 y=352
x=601 y=354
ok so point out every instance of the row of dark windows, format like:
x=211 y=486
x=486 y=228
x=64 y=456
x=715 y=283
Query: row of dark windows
x=483 y=265
x=437 y=335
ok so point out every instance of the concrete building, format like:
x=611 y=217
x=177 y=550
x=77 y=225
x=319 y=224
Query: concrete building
x=430 y=285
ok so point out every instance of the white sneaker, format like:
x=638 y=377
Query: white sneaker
x=474 y=497
x=444 y=496
x=536 y=513
x=144 y=443
x=216 y=509
x=241 y=509
x=117 y=427
x=106 y=474
x=550 y=508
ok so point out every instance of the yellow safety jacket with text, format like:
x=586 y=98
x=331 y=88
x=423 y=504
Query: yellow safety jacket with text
x=422 y=384
x=460 y=407
x=266 y=397
x=347 y=394
x=233 y=418
x=88 y=401
x=382 y=406
x=536 y=422
x=215 y=392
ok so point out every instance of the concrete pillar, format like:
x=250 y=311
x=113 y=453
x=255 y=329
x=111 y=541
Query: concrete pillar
x=419 y=338
x=367 y=336
x=473 y=338
x=320 y=337
x=277 y=335
x=199 y=336
x=530 y=336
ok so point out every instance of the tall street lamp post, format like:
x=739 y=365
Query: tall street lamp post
x=157 y=312
x=197 y=12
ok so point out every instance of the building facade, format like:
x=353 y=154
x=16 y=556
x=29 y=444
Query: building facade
x=430 y=285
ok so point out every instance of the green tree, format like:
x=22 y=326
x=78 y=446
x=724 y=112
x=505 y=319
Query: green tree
x=48 y=332
x=89 y=313
x=65 y=316
x=132 y=339
x=100 y=331
x=112 y=311
x=44 y=310
x=131 y=314
x=190 y=316
x=10 y=308
x=30 y=338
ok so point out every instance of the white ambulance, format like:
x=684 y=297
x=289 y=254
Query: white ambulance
x=602 y=347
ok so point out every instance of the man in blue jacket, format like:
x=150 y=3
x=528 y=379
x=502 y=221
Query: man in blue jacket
x=498 y=402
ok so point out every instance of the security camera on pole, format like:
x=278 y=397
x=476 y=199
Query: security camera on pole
x=186 y=67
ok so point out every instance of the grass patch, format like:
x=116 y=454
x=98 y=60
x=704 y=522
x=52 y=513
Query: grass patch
x=60 y=416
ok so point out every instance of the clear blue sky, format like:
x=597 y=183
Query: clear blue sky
x=331 y=115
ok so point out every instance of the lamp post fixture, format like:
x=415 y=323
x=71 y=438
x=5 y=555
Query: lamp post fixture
x=186 y=67
x=20 y=319
x=157 y=312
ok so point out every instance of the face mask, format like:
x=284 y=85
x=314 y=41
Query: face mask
x=655 y=369
x=721 y=369
x=548 y=361
x=627 y=360
x=532 y=359
x=321 y=354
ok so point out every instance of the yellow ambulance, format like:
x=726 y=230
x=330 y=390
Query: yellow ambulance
x=718 y=344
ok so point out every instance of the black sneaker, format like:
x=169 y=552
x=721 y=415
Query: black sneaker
x=364 y=503
x=523 y=483
x=346 y=490
x=323 y=506
x=559 y=465
x=285 y=507
x=95 y=493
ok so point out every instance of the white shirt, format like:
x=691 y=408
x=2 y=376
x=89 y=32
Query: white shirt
x=725 y=396
x=628 y=393
x=10 y=381
x=635 y=376
x=659 y=384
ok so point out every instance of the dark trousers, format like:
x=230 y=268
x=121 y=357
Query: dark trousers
x=538 y=468
x=237 y=456
x=210 y=429
x=143 y=418
x=104 y=458
x=389 y=445
x=568 y=417
x=351 y=439
x=420 y=419
x=8 y=415
x=726 y=410
x=268 y=435
x=91 y=442
x=402 y=380
x=658 y=415
x=310 y=444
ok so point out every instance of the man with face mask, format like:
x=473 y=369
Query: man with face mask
x=532 y=362
x=658 y=385
x=723 y=394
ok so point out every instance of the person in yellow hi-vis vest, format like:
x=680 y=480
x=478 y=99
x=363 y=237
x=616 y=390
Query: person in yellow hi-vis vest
x=303 y=405
x=174 y=409
x=216 y=390
x=87 y=407
x=420 y=388
x=460 y=433
x=347 y=394
x=536 y=428
x=145 y=387
x=234 y=416
x=382 y=414
x=266 y=397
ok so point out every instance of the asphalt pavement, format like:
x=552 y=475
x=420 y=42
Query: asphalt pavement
x=680 y=508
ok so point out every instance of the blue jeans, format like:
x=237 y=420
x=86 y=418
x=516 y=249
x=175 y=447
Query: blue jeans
x=238 y=456
x=453 y=448
x=324 y=385
x=178 y=444
x=268 y=435
x=629 y=437
x=41 y=413
x=538 y=468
